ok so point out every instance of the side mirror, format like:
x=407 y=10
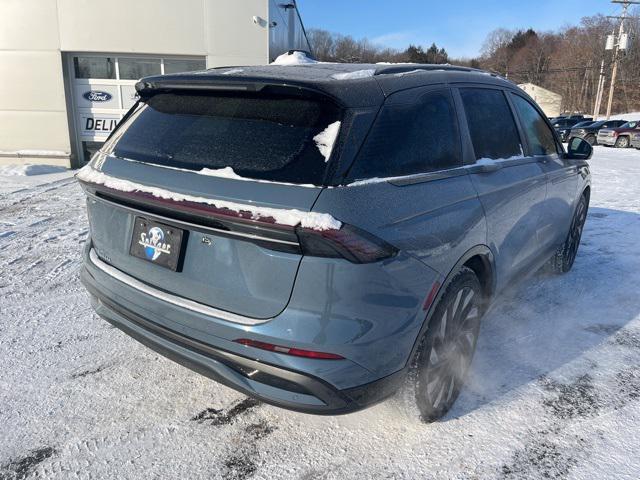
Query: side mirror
x=578 y=149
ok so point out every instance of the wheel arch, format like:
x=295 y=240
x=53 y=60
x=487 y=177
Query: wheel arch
x=481 y=260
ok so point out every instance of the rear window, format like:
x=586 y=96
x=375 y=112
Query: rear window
x=262 y=138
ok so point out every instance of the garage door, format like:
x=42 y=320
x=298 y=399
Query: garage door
x=103 y=89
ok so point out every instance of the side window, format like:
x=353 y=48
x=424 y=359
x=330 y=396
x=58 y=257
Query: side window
x=493 y=131
x=417 y=137
x=538 y=134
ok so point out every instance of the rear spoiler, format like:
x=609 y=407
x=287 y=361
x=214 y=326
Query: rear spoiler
x=147 y=87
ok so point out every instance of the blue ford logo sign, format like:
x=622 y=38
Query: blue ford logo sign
x=97 y=96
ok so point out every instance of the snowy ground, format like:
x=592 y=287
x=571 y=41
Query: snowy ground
x=554 y=391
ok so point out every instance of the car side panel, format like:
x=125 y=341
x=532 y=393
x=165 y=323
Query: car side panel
x=433 y=222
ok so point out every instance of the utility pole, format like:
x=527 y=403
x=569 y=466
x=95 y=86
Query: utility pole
x=617 y=44
x=599 y=92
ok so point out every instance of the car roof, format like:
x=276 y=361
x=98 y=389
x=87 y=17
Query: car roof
x=374 y=81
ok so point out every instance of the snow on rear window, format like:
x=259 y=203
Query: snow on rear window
x=265 y=138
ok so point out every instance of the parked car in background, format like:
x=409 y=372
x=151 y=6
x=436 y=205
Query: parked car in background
x=565 y=133
x=564 y=125
x=356 y=250
x=619 y=137
x=635 y=140
x=590 y=132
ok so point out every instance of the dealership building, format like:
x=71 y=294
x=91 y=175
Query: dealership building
x=69 y=67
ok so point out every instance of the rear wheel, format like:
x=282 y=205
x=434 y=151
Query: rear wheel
x=622 y=142
x=590 y=139
x=447 y=347
x=563 y=260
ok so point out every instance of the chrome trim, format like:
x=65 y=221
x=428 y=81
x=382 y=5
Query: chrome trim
x=195 y=226
x=172 y=299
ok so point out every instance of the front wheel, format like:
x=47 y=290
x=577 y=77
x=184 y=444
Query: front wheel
x=622 y=142
x=564 y=257
x=447 y=347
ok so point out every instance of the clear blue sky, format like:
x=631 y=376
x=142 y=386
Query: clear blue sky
x=459 y=26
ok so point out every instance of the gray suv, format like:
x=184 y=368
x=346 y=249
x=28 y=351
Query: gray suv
x=310 y=234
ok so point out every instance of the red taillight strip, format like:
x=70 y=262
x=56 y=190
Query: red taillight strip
x=298 y=352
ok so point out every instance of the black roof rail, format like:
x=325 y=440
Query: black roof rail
x=409 y=67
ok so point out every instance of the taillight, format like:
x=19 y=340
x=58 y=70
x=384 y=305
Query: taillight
x=298 y=352
x=348 y=242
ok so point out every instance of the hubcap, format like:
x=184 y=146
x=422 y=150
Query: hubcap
x=452 y=347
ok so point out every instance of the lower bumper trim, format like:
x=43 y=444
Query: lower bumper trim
x=331 y=400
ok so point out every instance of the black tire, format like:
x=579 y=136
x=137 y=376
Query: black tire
x=446 y=349
x=591 y=139
x=565 y=256
x=622 y=142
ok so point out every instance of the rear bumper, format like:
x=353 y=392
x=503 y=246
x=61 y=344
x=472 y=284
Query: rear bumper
x=273 y=384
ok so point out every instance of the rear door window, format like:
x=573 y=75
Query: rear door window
x=491 y=125
x=419 y=135
x=539 y=136
x=267 y=138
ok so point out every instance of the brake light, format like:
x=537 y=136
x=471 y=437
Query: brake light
x=348 y=242
x=297 y=352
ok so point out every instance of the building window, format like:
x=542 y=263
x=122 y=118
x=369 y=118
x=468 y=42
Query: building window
x=177 y=66
x=136 y=68
x=94 y=67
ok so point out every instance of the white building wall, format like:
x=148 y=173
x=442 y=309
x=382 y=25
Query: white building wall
x=550 y=102
x=35 y=34
x=32 y=102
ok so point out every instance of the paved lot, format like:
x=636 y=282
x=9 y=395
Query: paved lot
x=554 y=390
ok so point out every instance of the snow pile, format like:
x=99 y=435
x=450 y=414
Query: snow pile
x=228 y=172
x=30 y=170
x=293 y=58
x=352 y=75
x=410 y=72
x=233 y=71
x=326 y=138
x=291 y=217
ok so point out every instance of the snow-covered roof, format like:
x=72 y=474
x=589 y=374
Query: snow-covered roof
x=375 y=81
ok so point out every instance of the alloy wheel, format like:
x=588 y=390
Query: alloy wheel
x=452 y=346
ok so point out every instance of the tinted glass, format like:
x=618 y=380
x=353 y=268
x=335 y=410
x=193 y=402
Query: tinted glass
x=177 y=66
x=94 y=67
x=491 y=125
x=263 y=138
x=535 y=128
x=582 y=124
x=136 y=68
x=629 y=125
x=417 y=137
